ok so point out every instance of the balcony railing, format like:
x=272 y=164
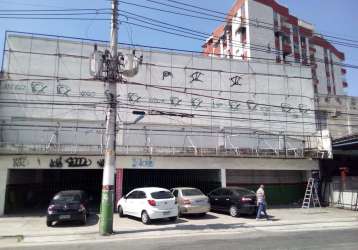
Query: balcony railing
x=287 y=49
x=245 y=152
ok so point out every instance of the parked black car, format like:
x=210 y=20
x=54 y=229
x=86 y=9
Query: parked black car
x=234 y=200
x=70 y=205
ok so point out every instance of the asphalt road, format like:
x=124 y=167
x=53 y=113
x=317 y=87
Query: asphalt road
x=329 y=239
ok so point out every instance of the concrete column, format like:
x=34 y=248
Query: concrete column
x=3 y=182
x=223 y=177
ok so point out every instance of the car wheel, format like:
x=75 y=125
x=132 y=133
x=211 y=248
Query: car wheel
x=120 y=212
x=49 y=223
x=234 y=212
x=174 y=218
x=145 y=218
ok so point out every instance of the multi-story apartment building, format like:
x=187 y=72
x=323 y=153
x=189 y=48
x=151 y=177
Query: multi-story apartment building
x=265 y=30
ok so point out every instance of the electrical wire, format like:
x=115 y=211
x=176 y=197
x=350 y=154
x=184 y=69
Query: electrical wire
x=227 y=15
x=168 y=88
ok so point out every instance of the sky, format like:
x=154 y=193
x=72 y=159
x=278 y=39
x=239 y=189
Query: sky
x=331 y=17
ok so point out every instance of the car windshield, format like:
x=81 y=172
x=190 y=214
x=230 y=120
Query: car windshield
x=242 y=192
x=66 y=198
x=162 y=195
x=191 y=192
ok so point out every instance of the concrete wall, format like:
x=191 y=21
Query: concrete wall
x=321 y=71
x=205 y=97
x=261 y=38
x=3 y=179
x=340 y=124
x=154 y=162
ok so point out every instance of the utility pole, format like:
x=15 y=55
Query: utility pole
x=106 y=217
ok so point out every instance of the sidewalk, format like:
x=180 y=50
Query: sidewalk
x=33 y=230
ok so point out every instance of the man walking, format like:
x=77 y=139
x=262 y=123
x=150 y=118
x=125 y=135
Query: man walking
x=261 y=202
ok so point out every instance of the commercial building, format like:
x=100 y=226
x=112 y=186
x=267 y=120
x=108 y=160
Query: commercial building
x=249 y=123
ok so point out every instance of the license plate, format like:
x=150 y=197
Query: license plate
x=166 y=213
x=64 y=216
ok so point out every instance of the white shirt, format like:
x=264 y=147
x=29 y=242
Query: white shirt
x=260 y=195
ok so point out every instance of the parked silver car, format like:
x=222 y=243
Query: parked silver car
x=191 y=200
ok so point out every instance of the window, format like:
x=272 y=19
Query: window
x=217 y=192
x=303 y=41
x=295 y=29
x=275 y=16
x=175 y=193
x=161 y=195
x=322 y=118
x=141 y=195
x=227 y=192
x=132 y=195
x=66 y=198
x=191 y=192
x=243 y=192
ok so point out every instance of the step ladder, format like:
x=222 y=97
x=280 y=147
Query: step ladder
x=311 y=195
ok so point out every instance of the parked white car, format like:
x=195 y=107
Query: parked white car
x=148 y=204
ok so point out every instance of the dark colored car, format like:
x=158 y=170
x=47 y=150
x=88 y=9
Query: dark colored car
x=70 y=205
x=234 y=200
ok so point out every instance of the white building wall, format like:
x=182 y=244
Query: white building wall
x=339 y=123
x=338 y=75
x=258 y=36
x=237 y=48
x=260 y=83
x=3 y=181
x=321 y=71
x=156 y=162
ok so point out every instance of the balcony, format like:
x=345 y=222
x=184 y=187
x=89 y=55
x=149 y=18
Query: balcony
x=283 y=31
x=313 y=50
x=244 y=152
x=286 y=48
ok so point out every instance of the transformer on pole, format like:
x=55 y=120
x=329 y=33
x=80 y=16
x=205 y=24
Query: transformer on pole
x=110 y=66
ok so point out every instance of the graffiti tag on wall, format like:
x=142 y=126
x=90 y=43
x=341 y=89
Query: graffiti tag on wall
x=72 y=162
x=20 y=162
x=142 y=163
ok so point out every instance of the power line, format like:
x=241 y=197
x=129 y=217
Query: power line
x=52 y=14
x=224 y=15
x=53 y=10
x=251 y=46
x=169 y=88
x=55 y=18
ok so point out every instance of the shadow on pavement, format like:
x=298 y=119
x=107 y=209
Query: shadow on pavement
x=198 y=216
x=91 y=220
x=159 y=222
x=216 y=226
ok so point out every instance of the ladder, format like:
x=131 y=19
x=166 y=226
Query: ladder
x=311 y=194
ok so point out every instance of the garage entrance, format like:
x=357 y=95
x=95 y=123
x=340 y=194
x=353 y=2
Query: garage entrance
x=205 y=180
x=29 y=191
